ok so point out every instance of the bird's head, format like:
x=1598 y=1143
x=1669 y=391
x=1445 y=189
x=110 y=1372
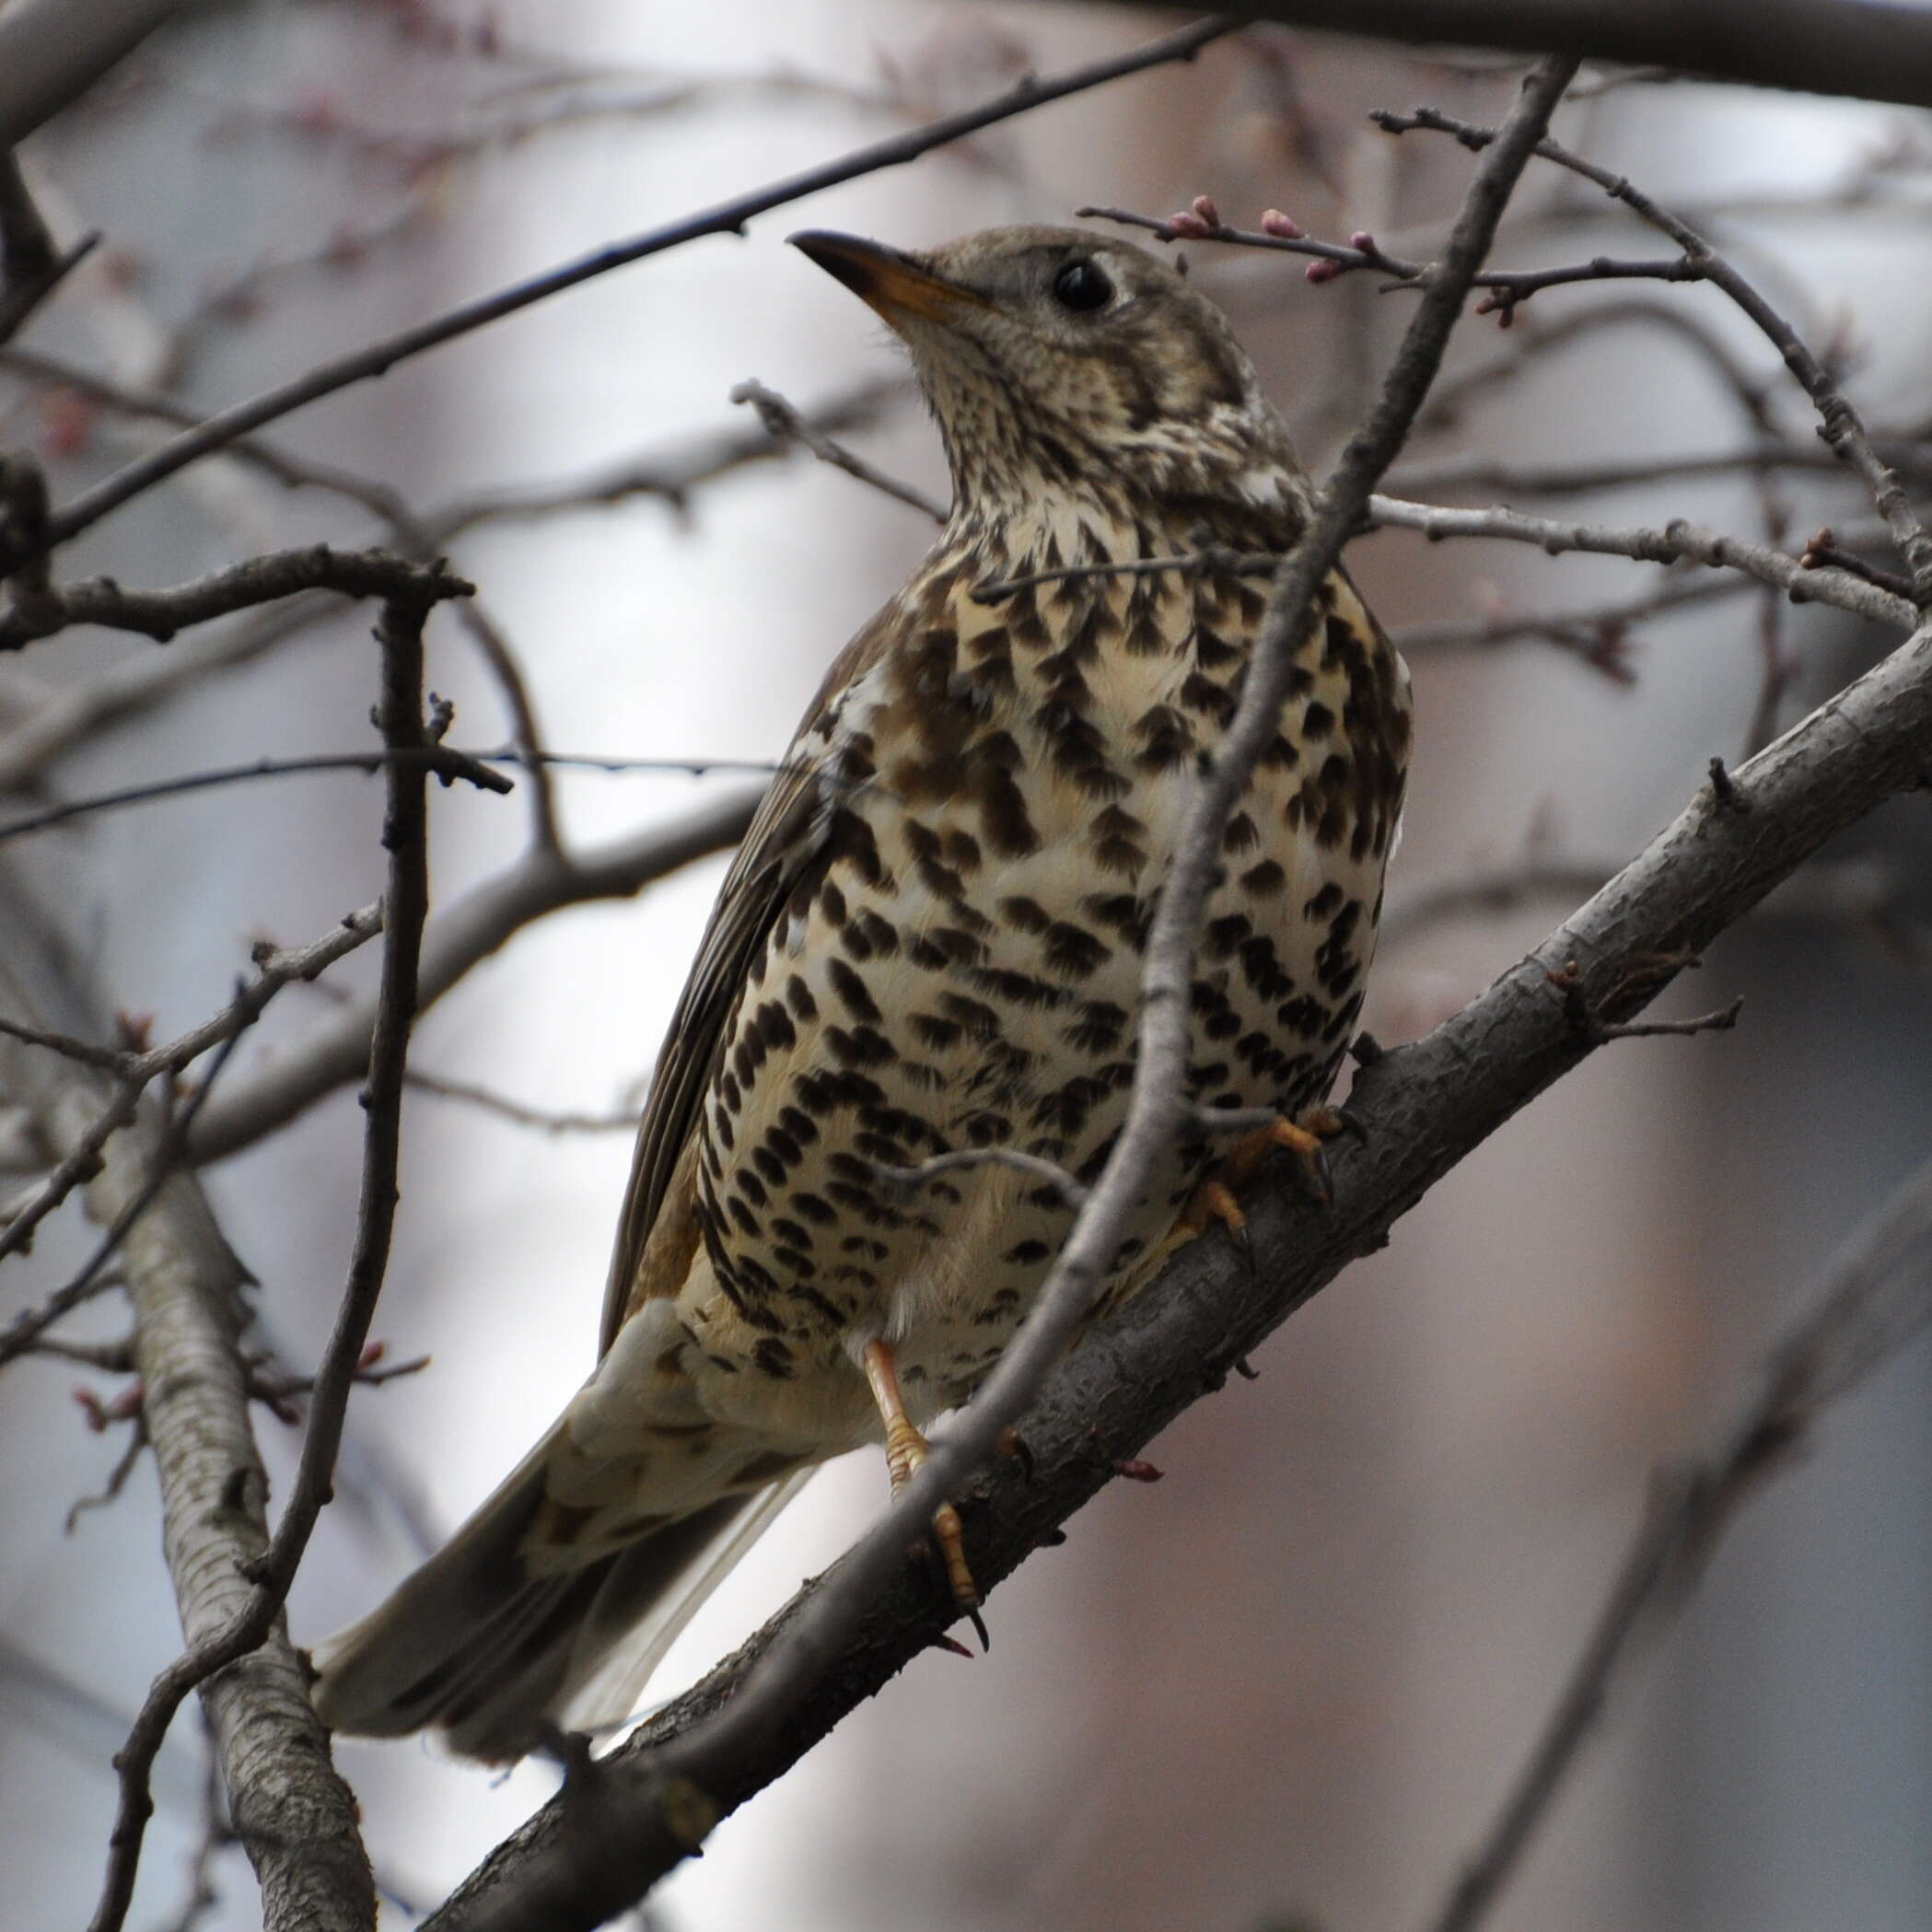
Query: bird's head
x=1062 y=362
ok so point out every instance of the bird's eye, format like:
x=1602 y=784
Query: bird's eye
x=1083 y=287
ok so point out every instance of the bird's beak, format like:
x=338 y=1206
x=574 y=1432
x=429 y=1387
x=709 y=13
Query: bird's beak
x=894 y=283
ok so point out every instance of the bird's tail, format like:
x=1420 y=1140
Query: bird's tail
x=488 y=1648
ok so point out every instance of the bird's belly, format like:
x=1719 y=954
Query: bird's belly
x=936 y=1006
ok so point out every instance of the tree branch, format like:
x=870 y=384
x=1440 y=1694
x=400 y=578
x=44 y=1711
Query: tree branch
x=50 y=52
x=296 y=1816
x=1423 y=1107
x=137 y=1072
x=38 y=612
x=1868 y=48
x=265 y=1574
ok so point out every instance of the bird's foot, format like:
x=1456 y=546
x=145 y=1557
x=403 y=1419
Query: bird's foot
x=906 y=1450
x=1304 y=1136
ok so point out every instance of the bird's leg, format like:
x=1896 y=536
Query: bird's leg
x=906 y=1448
x=1303 y=1136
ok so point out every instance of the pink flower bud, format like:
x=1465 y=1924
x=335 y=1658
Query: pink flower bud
x=1204 y=207
x=1283 y=227
x=1364 y=241
x=1188 y=225
x=1323 y=269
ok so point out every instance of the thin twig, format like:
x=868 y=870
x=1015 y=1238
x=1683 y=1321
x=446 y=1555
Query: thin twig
x=1840 y=423
x=273 y=971
x=459 y=938
x=785 y=422
x=443 y=761
x=521 y=1113
x=1034 y=1166
x=1678 y=541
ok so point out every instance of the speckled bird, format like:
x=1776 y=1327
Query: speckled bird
x=931 y=940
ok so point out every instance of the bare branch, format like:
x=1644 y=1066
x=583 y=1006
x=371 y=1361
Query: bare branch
x=457 y=939
x=1034 y=1166
x=1868 y=48
x=443 y=761
x=784 y=423
x=39 y=614
x=32 y=267
x=269 y=1572
x=295 y=1817
x=1330 y=259
x=1678 y=541
x=520 y=1113
x=1841 y=425
x=727 y=217
x=50 y=55
x=137 y=1072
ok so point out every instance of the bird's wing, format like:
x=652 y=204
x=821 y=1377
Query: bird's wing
x=786 y=840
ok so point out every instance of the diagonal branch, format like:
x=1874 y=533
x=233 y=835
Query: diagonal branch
x=1878 y=1297
x=1422 y=1108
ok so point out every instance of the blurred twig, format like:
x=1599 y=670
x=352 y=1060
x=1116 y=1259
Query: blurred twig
x=1876 y=1298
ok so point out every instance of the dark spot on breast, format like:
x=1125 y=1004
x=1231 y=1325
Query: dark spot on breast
x=1202 y=693
x=1072 y=949
x=863 y=1046
x=1222 y=936
x=851 y=990
x=774 y=1357
x=1240 y=833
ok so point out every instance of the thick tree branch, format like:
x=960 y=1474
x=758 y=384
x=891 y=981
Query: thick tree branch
x=1423 y=1107
x=1869 y=49
x=51 y=52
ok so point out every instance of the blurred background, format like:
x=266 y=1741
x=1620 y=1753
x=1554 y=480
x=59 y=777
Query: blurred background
x=1289 y=1686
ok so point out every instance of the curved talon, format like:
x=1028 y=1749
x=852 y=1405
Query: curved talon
x=906 y=1450
x=1214 y=1199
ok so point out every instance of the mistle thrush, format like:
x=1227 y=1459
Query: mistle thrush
x=931 y=940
